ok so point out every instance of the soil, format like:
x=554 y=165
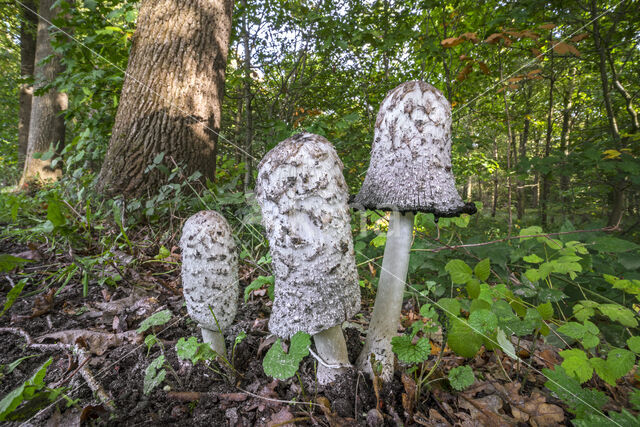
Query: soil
x=204 y=394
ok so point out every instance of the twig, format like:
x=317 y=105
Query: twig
x=13 y=285
x=75 y=371
x=270 y=399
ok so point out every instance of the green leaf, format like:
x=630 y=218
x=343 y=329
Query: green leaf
x=163 y=253
x=614 y=245
x=577 y=364
x=533 y=259
x=258 y=283
x=545 y=310
x=409 y=352
x=24 y=392
x=573 y=329
x=428 y=311
x=482 y=269
x=584 y=310
x=54 y=212
x=379 y=240
x=634 y=344
x=580 y=401
x=620 y=361
x=153 y=375
x=156 y=319
x=530 y=231
x=473 y=288
x=450 y=306
x=618 y=313
x=463 y=340
x=506 y=345
x=9 y=262
x=461 y=377
x=13 y=295
x=483 y=321
x=281 y=365
x=459 y=271
x=194 y=351
x=13 y=365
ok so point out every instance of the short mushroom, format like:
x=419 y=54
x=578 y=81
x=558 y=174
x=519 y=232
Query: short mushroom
x=210 y=275
x=305 y=212
x=409 y=171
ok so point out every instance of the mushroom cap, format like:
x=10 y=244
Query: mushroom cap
x=410 y=167
x=305 y=212
x=209 y=269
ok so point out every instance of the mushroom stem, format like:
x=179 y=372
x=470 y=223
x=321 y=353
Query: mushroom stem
x=386 y=309
x=215 y=339
x=332 y=350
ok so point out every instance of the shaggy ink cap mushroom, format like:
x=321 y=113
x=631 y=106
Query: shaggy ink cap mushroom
x=410 y=167
x=409 y=171
x=210 y=275
x=305 y=212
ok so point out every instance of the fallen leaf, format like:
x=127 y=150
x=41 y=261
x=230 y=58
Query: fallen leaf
x=96 y=342
x=32 y=255
x=409 y=396
x=43 y=303
x=280 y=418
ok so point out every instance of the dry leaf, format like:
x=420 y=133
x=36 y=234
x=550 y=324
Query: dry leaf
x=536 y=52
x=472 y=37
x=465 y=58
x=280 y=418
x=579 y=37
x=483 y=67
x=408 y=397
x=547 y=26
x=462 y=75
x=451 y=42
x=562 y=48
x=534 y=72
x=515 y=79
x=493 y=38
x=97 y=342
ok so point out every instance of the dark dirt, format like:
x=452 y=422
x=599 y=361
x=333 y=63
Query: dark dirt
x=194 y=395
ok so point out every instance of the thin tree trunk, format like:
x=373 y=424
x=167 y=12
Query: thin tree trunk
x=248 y=143
x=494 y=205
x=546 y=178
x=564 y=140
x=46 y=125
x=510 y=144
x=172 y=95
x=523 y=155
x=28 y=31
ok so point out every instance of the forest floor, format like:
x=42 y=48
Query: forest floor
x=52 y=321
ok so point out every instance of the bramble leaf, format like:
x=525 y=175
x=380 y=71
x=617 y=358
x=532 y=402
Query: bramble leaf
x=461 y=377
x=409 y=352
x=281 y=365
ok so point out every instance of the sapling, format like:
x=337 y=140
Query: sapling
x=305 y=212
x=409 y=171
x=210 y=275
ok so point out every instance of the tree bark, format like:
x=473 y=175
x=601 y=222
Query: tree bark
x=46 y=125
x=564 y=139
x=172 y=94
x=523 y=155
x=28 y=31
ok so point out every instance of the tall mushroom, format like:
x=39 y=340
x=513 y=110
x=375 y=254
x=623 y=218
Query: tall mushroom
x=305 y=212
x=409 y=171
x=210 y=275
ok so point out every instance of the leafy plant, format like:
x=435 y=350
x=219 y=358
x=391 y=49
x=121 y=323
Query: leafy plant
x=281 y=365
x=156 y=319
x=13 y=295
x=461 y=377
x=154 y=374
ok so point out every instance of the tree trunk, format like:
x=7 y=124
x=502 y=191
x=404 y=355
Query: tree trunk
x=523 y=155
x=248 y=142
x=28 y=30
x=46 y=125
x=172 y=94
x=494 y=205
x=564 y=140
x=510 y=144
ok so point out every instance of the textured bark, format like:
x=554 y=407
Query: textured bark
x=28 y=31
x=523 y=155
x=546 y=178
x=303 y=197
x=46 y=125
x=172 y=94
x=410 y=168
x=210 y=274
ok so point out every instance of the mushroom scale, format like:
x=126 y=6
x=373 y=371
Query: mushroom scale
x=210 y=274
x=303 y=197
x=410 y=167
